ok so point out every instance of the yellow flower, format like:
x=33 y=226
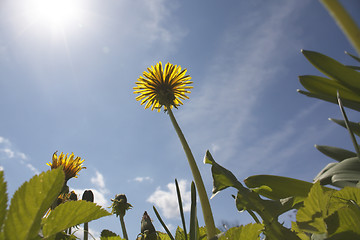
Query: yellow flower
x=70 y=165
x=163 y=87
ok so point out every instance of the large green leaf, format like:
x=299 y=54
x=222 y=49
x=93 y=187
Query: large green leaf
x=310 y=217
x=277 y=187
x=326 y=86
x=349 y=166
x=355 y=127
x=347 y=103
x=222 y=178
x=248 y=232
x=71 y=213
x=336 y=153
x=334 y=69
x=3 y=198
x=30 y=202
x=344 y=224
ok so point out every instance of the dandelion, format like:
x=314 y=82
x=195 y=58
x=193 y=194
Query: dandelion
x=166 y=88
x=163 y=87
x=71 y=165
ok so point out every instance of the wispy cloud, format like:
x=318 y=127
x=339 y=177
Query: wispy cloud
x=242 y=70
x=166 y=200
x=143 y=179
x=9 y=152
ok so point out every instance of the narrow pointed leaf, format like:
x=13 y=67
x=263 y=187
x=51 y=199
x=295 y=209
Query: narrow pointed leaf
x=3 y=198
x=355 y=127
x=30 y=202
x=162 y=223
x=193 y=217
x=353 y=56
x=353 y=67
x=181 y=208
x=347 y=103
x=71 y=213
x=326 y=86
x=334 y=69
x=336 y=153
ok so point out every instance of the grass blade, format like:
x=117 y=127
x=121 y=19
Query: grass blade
x=181 y=208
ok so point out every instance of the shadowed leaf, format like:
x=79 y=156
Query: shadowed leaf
x=335 y=153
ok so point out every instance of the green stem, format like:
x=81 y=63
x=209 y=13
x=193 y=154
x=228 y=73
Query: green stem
x=86 y=231
x=204 y=200
x=345 y=22
x=123 y=227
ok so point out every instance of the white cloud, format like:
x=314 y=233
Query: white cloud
x=166 y=200
x=98 y=180
x=143 y=179
x=8 y=151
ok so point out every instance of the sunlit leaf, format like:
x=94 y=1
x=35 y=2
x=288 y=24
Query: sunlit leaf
x=30 y=202
x=310 y=217
x=334 y=69
x=71 y=213
x=179 y=235
x=344 y=224
x=329 y=87
x=277 y=187
x=336 y=153
x=248 y=232
x=3 y=198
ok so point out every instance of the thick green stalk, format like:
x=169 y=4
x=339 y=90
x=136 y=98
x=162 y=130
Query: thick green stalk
x=204 y=200
x=86 y=231
x=345 y=22
x=123 y=227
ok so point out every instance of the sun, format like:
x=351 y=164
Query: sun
x=56 y=14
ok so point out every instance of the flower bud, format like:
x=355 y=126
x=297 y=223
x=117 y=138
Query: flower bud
x=88 y=196
x=120 y=205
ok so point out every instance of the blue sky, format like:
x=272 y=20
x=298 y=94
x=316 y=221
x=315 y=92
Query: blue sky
x=66 y=85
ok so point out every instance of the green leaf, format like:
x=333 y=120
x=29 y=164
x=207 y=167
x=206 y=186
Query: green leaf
x=347 y=103
x=222 y=178
x=277 y=187
x=329 y=87
x=336 y=153
x=162 y=223
x=180 y=234
x=333 y=69
x=248 y=232
x=353 y=56
x=163 y=236
x=344 y=224
x=350 y=166
x=310 y=217
x=355 y=127
x=30 y=202
x=3 y=198
x=71 y=213
x=193 y=217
